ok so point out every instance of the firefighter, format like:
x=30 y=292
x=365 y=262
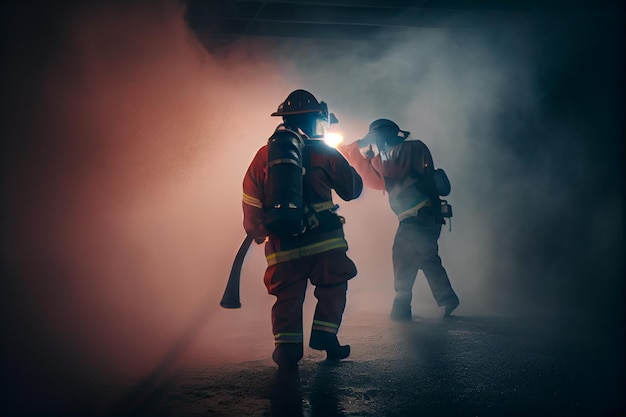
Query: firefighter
x=318 y=253
x=404 y=168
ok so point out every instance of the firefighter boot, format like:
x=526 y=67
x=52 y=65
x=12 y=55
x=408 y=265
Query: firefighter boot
x=401 y=313
x=321 y=340
x=287 y=355
x=450 y=308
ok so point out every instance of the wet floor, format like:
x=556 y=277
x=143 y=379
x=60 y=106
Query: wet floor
x=466 y=366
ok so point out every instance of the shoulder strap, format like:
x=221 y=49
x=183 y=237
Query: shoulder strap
x=306 y=155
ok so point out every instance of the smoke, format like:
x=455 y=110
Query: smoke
x=124 y=149
x=125 y=145
x=506 y=117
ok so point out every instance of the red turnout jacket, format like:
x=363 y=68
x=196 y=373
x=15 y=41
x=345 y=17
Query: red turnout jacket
x=328 y=170
x=403 y=171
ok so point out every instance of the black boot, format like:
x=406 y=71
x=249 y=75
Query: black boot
x=450 y=307
x=287 y=355
x=321 y=340
x=401 y=313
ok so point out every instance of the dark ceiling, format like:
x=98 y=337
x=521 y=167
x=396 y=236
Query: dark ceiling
x=364 y=19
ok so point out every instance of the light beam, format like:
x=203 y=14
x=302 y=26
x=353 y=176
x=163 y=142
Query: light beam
x=333 y=139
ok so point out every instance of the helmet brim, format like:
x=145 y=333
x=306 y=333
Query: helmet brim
x=288 y=113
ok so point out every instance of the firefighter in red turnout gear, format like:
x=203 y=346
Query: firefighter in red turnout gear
x=404 y=168
x=318 y=253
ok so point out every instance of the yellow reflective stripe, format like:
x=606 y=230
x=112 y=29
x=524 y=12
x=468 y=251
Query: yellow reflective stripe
x=282 y=256
x=412 y=212
x=324 y=329
x=324 y=205
x=251 y=201
x=326 y=324
x=319 y=247
x=288 y=338
x=324 y=246
x=277 y=335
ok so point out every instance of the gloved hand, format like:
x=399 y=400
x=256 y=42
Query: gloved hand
x=260 y=233
x=362 y=143
x=367 y=140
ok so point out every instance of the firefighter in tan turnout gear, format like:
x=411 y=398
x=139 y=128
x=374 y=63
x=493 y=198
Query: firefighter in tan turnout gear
x=287 y=203
x=404 y=168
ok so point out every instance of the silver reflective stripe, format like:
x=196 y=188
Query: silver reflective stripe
x=283 y=161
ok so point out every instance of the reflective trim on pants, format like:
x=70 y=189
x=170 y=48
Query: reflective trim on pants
x=329 y=272
x=325 y=326
x=288 y=338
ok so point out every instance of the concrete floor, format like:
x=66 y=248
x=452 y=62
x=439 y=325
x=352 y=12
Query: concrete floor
x=465 y=366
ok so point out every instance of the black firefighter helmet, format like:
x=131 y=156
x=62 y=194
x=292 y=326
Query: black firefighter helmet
x=302 y=111
x=385 y=134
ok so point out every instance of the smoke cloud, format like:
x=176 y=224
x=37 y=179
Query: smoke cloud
x=126 y=142
x=529 y=162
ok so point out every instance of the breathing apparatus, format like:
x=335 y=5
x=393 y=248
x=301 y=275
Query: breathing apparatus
x=304 y=118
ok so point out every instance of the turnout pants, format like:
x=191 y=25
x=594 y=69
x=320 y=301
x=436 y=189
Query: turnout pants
x=329 y=272
x=415 y=247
